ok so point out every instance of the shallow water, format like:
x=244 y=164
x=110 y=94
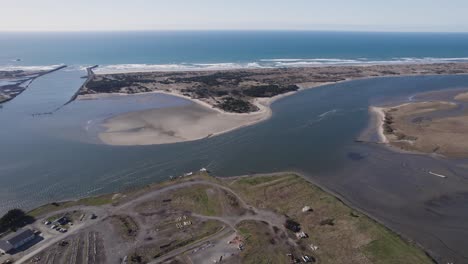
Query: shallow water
x=56 y=157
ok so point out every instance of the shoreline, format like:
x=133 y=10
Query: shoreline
x=248 y=119
x=435 y=137
x=240 y=68
x=245 y=120
x=123 y=130
x=17 y=85
x=140 y=191
x=377 y=121
x=379 y=115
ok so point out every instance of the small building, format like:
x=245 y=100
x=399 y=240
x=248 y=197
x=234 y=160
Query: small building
x=61 y=221
x=16 y=240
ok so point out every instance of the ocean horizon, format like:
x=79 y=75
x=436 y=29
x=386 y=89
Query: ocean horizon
x=222 y=50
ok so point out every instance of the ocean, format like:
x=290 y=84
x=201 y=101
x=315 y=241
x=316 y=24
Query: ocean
x=179 y=50
x=58 y=157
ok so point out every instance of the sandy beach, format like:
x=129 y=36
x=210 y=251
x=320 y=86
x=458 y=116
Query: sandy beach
x=174 y=124
x=177 y=124
x=180 y=124
x=379 y=115
x=224 y=100
x=432 y=127
x=463 y=97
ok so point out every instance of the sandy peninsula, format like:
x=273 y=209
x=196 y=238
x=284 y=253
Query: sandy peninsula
x=175 y=124
x=463 y=97
x=225 y=100
x=378 y=114
x=433 y=127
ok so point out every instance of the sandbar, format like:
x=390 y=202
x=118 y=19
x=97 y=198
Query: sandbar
x=225 y=100
x=431 y=127
x=174 y=124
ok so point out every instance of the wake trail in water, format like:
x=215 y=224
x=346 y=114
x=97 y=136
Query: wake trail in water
x=328 y=113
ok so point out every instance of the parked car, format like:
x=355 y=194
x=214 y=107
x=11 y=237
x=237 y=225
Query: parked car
x=308 y=259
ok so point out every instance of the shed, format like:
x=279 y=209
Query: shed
x=16 y=240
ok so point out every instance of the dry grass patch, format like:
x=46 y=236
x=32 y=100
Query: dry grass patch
x=125 y=225
x=342 y=234
x=172 y=238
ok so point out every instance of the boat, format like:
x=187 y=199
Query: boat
x=438 y=175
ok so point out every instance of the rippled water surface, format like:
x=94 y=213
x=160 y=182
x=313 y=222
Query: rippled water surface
x=46 y=158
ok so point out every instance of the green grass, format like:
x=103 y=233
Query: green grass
x=351 y=239
x=255 y=180
x=389 y=248
x=96 y=201
x=90 y=201
x=199 y=199
x=107 y=198
x=258 y=248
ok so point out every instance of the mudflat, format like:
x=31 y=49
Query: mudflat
x=435 y=127
x=171 y=125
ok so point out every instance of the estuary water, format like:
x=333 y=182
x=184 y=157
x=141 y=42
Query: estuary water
x=45 y=158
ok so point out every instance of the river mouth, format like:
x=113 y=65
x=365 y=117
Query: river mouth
x=53 y=158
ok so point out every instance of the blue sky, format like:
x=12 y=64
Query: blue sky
x=356 y=15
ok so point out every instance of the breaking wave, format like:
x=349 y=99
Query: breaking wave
x=28 y=68
x=122 y=68
x=267 y=63
x=259 y=64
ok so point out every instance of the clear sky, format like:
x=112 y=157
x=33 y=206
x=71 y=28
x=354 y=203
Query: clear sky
x=361 y=15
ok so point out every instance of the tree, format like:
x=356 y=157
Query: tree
x=15 y=218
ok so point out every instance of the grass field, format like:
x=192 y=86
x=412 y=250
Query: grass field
x=89 y=201
x=353 y=237
x=342 y=234
x=200 y=199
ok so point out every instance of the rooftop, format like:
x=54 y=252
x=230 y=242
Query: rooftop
x=4 y=246
x=17 y=237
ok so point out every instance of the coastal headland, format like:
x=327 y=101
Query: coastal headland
x=225 y=100
x=197 y=218
x=434 y=127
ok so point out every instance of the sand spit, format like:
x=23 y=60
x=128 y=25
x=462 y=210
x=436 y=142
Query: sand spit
x=425 y=127
x=379 y=114
x=229 y=99
x=463 y=97
x=174 y=124
x=179 y=124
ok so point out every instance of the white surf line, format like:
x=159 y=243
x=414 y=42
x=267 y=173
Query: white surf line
x=438 y=175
